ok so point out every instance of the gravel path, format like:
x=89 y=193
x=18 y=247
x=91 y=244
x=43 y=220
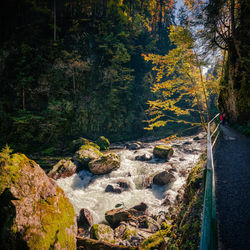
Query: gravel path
x=232 y=179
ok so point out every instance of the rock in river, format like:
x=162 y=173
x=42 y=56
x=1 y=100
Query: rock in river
x=87 y=153
x=105 y=164
x=164 y=178
x=34 y=213
x=163 y=151
x=64 y=168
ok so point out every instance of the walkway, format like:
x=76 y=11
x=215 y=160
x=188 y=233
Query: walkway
x=232 y=180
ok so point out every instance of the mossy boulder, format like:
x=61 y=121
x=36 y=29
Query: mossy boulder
x=34 y=213
x=76 y=144
x=102 y=232
x=64 y=168
x=103 y=143
x=163 y=151
x=105 y=164
x=86 y=153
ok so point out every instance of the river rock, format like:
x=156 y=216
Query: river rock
x=105 y=164
x=64 y=168
x=163 y=151
x=34 y=213
x=163 y=178
x=133 y=145
x=124 y=184
x=102 y=232
x=144 y=157
x=141 y=207
x=87 y=153
x=85 y=219
x=112 y=189
x=117 y=215
x=103 y=143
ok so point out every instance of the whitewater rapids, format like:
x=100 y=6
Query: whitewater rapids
x=86 y=190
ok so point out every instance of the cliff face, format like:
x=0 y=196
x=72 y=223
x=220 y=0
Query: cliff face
x=234 y=97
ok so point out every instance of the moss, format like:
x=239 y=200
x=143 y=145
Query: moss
x=11 y=170
x=87 y=153
x=57 y=218
x=128 y=234
x=101 y=232
x=187 y=223
x=103 y=143
x=156 y=240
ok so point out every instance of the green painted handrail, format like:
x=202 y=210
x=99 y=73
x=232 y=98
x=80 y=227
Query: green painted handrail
x=209 y=232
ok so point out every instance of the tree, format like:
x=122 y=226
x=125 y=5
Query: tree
x=181 y=86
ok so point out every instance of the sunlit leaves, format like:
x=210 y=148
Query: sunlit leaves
x=180 y=84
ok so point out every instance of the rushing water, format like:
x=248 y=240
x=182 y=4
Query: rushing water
x=86 y=190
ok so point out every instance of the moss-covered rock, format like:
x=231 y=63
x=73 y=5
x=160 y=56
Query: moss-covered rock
x=64 y=168
x=105 y=164
x=34 y=211
x=76 y=144
x=102 y=232
x=163 y=151
x=87 y=153
x=103 y=143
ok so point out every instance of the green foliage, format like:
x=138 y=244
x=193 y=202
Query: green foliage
x=5 y=154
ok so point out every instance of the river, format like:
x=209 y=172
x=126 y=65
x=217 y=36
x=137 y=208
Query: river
x=86 y=190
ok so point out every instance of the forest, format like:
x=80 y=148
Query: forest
x=76 y=68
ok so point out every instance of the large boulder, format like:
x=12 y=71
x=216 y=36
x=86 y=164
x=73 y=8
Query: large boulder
x=103 y=143
x=64 y=168
x=102 y=232
x=87 y=153
x=105 y=164
x=163 y=151
x=34 y=213
x=164 y=178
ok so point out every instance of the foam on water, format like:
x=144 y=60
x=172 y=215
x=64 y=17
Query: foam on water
x=86 y=190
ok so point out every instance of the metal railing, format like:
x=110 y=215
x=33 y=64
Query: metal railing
x=209 y=233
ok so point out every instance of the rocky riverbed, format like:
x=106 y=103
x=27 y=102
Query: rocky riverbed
x=143 y=177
